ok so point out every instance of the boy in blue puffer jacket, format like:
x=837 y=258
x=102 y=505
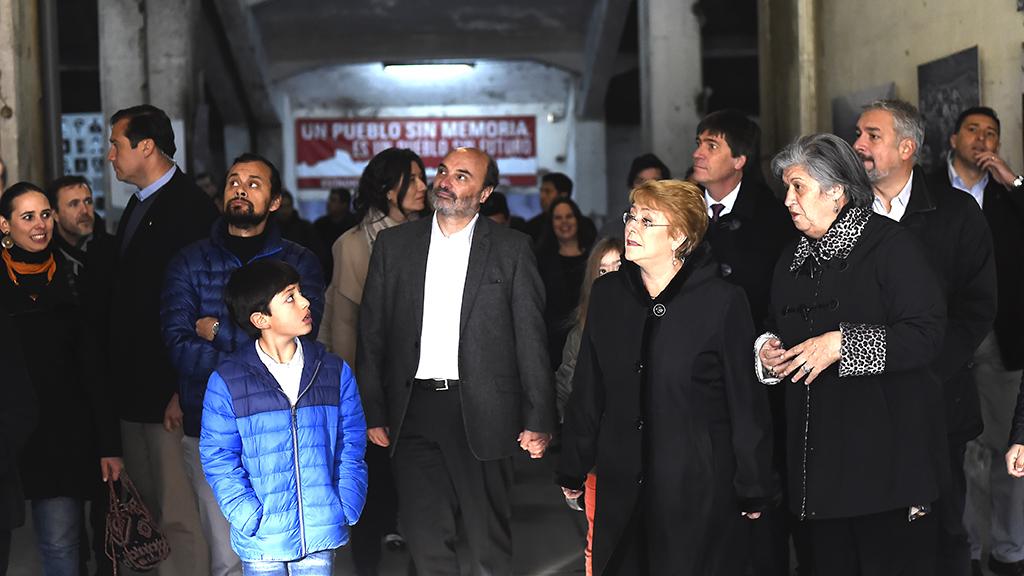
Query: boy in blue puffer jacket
x=283 y=432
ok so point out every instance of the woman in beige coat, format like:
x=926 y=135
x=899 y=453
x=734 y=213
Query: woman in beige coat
x=391 y=191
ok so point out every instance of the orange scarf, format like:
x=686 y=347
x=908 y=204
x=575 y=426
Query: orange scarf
x=15 y=268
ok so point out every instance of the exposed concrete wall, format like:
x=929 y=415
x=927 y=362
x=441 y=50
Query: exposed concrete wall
x=859 y=47
x=21 y=113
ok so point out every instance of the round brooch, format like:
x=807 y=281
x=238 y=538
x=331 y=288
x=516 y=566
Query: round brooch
x=659 y=310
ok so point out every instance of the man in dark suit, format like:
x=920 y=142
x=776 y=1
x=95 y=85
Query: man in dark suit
x=453 y=369
x=748 y=229
x=955 y=236
x=167 y=213
x=975 y=171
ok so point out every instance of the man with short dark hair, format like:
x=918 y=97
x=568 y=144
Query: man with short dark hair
x=953 y=232
x=641 y=169
x=91 y=253
x=167 y=213
x=452 y=365
x=748 y=229
x=194 y=316
x=976 y=173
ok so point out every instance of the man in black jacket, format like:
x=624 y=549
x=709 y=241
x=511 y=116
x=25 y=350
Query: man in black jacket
x=975 y=171
x=959 y=247
x=747 y=231
x=167 y=213
x=453 y=370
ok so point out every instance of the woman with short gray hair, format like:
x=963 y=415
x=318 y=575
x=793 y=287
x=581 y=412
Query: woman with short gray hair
x=859 y=318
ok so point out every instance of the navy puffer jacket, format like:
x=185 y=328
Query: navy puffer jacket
x=194 y=289
x=290 y=480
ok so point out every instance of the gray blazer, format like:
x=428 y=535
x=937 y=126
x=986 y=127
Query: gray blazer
x=507 y=385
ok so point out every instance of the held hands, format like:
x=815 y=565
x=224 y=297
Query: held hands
x=110 y=468
x=534 y=442
x=995 y=166
x=807 y=359
x=571 y=494
x=173 y=414
x=379 y=436
x=751 y=515
x=204 y=328
x=1015 y=460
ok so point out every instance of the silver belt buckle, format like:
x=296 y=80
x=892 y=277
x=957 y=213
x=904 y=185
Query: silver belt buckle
x=438 y=388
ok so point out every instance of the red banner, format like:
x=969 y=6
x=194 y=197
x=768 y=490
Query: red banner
x=334 y=151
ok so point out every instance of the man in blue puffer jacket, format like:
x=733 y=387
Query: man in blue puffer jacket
x=283 y=432
x=194 y=316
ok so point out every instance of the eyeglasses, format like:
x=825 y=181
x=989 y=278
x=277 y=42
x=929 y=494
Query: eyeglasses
x=628 y=217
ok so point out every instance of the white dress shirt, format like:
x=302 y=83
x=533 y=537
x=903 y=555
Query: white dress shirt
x=727 y=203
x=443 y=285
x=977 y=191
x=898 y=206
x=288 y=374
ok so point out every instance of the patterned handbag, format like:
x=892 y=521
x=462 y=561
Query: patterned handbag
x=133 y=537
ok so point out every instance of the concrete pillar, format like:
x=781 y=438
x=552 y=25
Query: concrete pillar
x=589 y=166
x=21 y=112
x=670 y=79
x=169 y=56
x=123 y=82
x=146 y=57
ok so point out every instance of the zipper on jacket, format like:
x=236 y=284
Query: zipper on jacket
x=295 y=455
x=807 y=412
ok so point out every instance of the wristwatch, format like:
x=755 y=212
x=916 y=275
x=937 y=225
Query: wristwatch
x=216 y=328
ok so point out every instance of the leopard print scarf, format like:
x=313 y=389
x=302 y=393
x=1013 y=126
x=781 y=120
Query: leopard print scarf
x=837 y=242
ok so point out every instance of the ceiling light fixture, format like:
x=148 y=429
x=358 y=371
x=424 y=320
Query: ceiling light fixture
x=431 y=71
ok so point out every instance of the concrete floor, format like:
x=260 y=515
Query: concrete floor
x=547 y=536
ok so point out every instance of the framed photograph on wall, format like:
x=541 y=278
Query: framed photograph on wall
x=945 y=87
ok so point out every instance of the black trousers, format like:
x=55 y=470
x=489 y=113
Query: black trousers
x=379 y=514
x=5 y=550
x=954 y=549
x=445 y=494
x=883 y=544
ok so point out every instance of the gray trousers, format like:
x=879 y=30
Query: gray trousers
x=223 y=560
x=997 y=389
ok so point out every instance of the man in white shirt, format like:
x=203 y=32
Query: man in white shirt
x=975 y=171
x=955 y=236
x=453 y=370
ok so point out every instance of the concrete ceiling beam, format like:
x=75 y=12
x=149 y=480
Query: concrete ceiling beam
x=604 y=33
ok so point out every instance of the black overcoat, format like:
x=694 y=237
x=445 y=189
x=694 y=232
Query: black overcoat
x=142 y=375
x=873 y=439
x=666 y=406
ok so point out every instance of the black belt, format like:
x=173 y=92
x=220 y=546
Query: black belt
x=436 y=384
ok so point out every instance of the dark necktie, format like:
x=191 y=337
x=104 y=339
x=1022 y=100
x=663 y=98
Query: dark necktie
x=716 y=211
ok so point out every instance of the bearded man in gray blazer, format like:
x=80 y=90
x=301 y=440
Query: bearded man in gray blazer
x=453 y=368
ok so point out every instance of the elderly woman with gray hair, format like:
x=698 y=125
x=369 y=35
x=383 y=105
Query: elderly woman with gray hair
x=859 y=316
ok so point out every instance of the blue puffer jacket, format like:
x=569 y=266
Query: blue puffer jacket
x=194 y=289
x=290 y=480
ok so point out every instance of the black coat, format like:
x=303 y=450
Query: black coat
x=506 y=382
x=142 y=375
x=873 y=439
x=61 y=456
x=1004 y=211
x=17 y=421
x=747 y=242
x=958 y=244
x=668 y=410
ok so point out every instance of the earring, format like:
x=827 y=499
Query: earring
x=835 y=205
x=7 y=242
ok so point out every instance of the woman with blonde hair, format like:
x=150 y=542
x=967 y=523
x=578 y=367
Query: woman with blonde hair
x=664 y=403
